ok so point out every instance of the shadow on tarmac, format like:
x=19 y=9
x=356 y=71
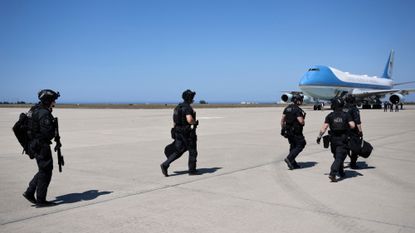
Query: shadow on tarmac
x=363 y=165
x=348 y=174
x=306 y=164
x=351 y=174
x=76 y=197
x=200 y=171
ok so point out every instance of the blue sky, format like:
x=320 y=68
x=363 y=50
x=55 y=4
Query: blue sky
x=225 y=50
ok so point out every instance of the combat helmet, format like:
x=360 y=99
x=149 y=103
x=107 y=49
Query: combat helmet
x=337 y=103
x=350 y=99
x=47 y=96
x=188 y=95
x=295 y=98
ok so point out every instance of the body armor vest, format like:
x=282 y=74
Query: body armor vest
x=179 y=116
x=339 y=122
x=290 y=117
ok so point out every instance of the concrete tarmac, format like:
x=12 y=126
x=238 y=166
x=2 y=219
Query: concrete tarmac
x=112 y=182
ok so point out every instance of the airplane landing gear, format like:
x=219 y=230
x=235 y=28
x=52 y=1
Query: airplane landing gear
x=377 y=106
x=366 y=106
x=317 y=107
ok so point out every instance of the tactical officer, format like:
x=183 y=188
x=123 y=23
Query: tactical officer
x=339 y=122
x=42 y=131
x=357 y=132
x=184 y=134
x=292 y=123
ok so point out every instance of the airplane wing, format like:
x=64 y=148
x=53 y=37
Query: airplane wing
x=364 y=94
x=293 y=92
x=406 y=92
x=403 y=83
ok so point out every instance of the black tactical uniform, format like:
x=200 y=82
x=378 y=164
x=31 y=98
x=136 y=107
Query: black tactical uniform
x=184 y=135
x=293 y=131
x=354 y=133
x=338 y=121
x=385 y=106
x=42 y=132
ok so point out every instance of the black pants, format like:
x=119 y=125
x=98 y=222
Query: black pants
x=339 y=149
x=353 y=154
x=297 y=144
x=183 y=142
x=353 y=157
x=41 y=180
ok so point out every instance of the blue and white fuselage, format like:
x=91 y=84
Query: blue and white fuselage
x=325 y=83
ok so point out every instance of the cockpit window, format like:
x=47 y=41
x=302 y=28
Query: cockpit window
x=314 y=69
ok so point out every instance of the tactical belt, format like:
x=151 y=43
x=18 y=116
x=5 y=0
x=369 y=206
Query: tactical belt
x=182 y=128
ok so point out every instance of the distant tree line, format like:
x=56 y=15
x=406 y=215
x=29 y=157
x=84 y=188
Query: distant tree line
x=18 y=102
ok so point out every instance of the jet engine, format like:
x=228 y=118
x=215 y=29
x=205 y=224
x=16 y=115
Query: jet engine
x=396 y=98
x=286 y=97
x=307 y=99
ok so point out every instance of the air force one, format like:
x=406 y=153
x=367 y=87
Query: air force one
x=322 y=83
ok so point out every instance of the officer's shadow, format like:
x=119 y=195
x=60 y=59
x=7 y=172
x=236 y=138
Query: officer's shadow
x=308 y=164
x=350 y=174
x=76 y=197
x=363 y=165
x=200 y=171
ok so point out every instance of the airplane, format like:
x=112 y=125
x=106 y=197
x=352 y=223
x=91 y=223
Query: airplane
x=325 y=82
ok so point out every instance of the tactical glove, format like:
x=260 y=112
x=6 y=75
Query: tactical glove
x=318 y=140
x=58 y=145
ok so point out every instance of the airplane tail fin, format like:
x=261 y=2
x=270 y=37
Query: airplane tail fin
x=389 y=66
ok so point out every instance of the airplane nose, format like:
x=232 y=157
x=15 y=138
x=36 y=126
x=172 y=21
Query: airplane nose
x=305 y=80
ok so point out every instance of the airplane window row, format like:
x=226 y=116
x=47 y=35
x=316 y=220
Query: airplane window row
x=314 y=69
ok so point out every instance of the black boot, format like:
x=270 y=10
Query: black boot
x=353 y=165
x=45 y=203
x=164 y=170
x=29 y=197
x=194 y=172
x=289 y=164
x=295 y=164
x=332 y=178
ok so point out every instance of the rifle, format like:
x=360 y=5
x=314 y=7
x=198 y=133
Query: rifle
x=58 y=145
x=194 y=127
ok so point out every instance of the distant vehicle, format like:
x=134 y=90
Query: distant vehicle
x=322 y=83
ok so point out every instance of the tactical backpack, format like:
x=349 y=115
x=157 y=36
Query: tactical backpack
x=355 y=144
x=22 y=130
x=178 y=115
x=366 y=149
